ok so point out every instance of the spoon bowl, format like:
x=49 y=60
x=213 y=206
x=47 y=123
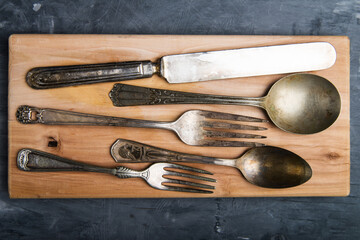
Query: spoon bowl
x=273 y=167
x=303 y=103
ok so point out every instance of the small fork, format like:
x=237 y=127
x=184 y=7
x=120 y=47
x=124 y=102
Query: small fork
x=194 y=127
x=158 y=175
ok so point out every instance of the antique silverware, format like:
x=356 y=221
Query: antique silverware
x=156 y=175
x=193 y=127
x=269 y=167
x=193 y=67
x=298 y=103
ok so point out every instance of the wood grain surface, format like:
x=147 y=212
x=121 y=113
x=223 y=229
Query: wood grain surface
x=328 y=152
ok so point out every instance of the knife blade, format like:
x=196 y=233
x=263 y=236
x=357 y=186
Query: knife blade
x=194 y=67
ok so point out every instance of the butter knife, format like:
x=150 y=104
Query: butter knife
x=193 y=67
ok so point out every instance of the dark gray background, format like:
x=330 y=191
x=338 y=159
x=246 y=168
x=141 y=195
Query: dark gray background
x=219 y=218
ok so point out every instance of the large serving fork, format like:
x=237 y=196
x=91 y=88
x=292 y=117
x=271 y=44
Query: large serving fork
x=158 y=175
x=193 y=127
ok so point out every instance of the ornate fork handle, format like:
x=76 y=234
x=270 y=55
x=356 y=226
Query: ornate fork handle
x=34 y=160
x=130 y=151
x=30 y=115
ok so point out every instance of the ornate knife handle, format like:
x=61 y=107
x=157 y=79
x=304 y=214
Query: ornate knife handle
x=129 y=95
x=63 y=76
x=130 y=151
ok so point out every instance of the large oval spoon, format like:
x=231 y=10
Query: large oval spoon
x=269 y=167
x=298 y=103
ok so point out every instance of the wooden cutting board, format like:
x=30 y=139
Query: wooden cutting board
x=328 y=152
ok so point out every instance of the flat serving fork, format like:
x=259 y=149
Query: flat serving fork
x=192 y=127
x=158 y=175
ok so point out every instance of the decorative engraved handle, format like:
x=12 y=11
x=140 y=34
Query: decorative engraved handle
x=34 y=160
x=38 y=161
x=30 y=115
x=129 y=95
x=62 y=76
x=130 y=151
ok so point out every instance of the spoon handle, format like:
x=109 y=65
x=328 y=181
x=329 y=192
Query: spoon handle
x=129 y=95
x=134 y=152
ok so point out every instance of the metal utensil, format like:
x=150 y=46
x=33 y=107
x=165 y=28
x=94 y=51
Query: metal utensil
x=193 y=127
x=194 y=67
x=298 y=103
x=156 y=175
x=269 y=167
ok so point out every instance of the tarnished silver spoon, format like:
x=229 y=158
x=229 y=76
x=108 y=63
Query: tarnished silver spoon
x=269 y=167
x=299 y=103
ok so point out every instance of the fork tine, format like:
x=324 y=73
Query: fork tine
x=226 y=125
x=220 y=143
x=181 y=174
x=193 y=184
x=183 y=167
x=222 y=134
x=184 y=189
x=168 y=167
x=229 y=116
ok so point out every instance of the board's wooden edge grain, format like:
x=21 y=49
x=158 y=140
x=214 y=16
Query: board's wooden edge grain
x=347 y=189
x=348 y=143
x=11 y=41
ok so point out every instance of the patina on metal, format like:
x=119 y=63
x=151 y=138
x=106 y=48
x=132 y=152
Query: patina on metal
x=298 y=103
x=193 y=67
x=63 y=76
x=34 y=160
x=194 y=127
x=268 y=167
